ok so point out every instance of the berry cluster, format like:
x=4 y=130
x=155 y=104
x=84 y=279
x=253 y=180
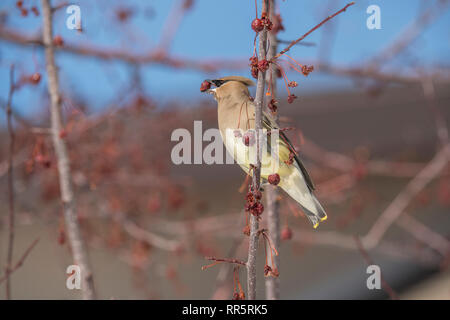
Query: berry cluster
x=254 y=66
x=24 y=11
x=253 y=204
x=259 y=24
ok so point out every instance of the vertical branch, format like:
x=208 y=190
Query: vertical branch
x=10 y=185
x=254 y=223
x=66 y=189
x=273 y=218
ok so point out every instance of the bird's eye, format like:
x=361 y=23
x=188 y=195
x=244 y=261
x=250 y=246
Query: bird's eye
x=218 y=83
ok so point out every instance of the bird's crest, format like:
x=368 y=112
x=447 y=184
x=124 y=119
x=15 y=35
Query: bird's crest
x=243 y=80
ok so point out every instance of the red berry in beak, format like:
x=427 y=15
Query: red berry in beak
x=274 y=179
x=205 y=86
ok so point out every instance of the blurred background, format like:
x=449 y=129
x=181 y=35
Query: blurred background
x=370 y=124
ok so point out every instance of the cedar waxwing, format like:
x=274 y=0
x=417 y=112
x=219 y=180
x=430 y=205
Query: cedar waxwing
x=236 y=113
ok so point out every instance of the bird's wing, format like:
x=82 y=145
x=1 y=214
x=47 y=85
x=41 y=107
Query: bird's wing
x=285 y=146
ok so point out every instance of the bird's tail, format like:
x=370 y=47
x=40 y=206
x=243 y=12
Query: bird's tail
x=295 y=186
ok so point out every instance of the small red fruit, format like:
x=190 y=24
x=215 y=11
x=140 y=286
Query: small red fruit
x=286 y=233
x=257 y=209
x=58 y=41
x=35 y=11
x=249 y=138
x=63 y=133
x=274 y=179
x=291 y=98
x=267 y=270
x=272 y=106
x=35 y=78
x=257 y=25
x=263 y=65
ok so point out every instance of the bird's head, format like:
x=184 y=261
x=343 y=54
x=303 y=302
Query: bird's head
x=231 y=86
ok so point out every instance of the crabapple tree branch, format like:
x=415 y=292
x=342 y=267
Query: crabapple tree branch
x=19 y=263
x=259 y=100
x=10 y=184
x=273 y=216
x=293 y=43
x=65 y=184
x=399 y=204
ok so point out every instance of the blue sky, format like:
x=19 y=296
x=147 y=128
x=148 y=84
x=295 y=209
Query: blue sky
x=212 y=29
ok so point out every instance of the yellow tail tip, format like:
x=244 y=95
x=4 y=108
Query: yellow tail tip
x=316 y=225
x=324 y=218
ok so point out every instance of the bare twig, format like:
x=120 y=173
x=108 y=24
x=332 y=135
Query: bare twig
x=303 y=43
x=172 y=23
x=399 y=204
x=10 y=184
x=151 y=238
x=293 y=43
x=153 y=57
x=67 y=195
x=423 y=233
x=405 y=38
x=376 y=74
x=20 y=262
x=219 y=260
x=344 y=163
x=430 y=96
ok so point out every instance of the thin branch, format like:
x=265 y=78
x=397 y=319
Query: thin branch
x=151 y=238
x=344 y=163
x=219 y=260
x=424 y=234
x=400 y=203
x=376 y=74
x=303 y=43
x=173 y=23
x=439 y=120
x=405 y=38
x=254 y=223
x=10 y=184
x=20 y=262
x=293 y=43
x=67 y=194
x=153 y=57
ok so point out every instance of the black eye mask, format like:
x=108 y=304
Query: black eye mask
x=218 y=83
